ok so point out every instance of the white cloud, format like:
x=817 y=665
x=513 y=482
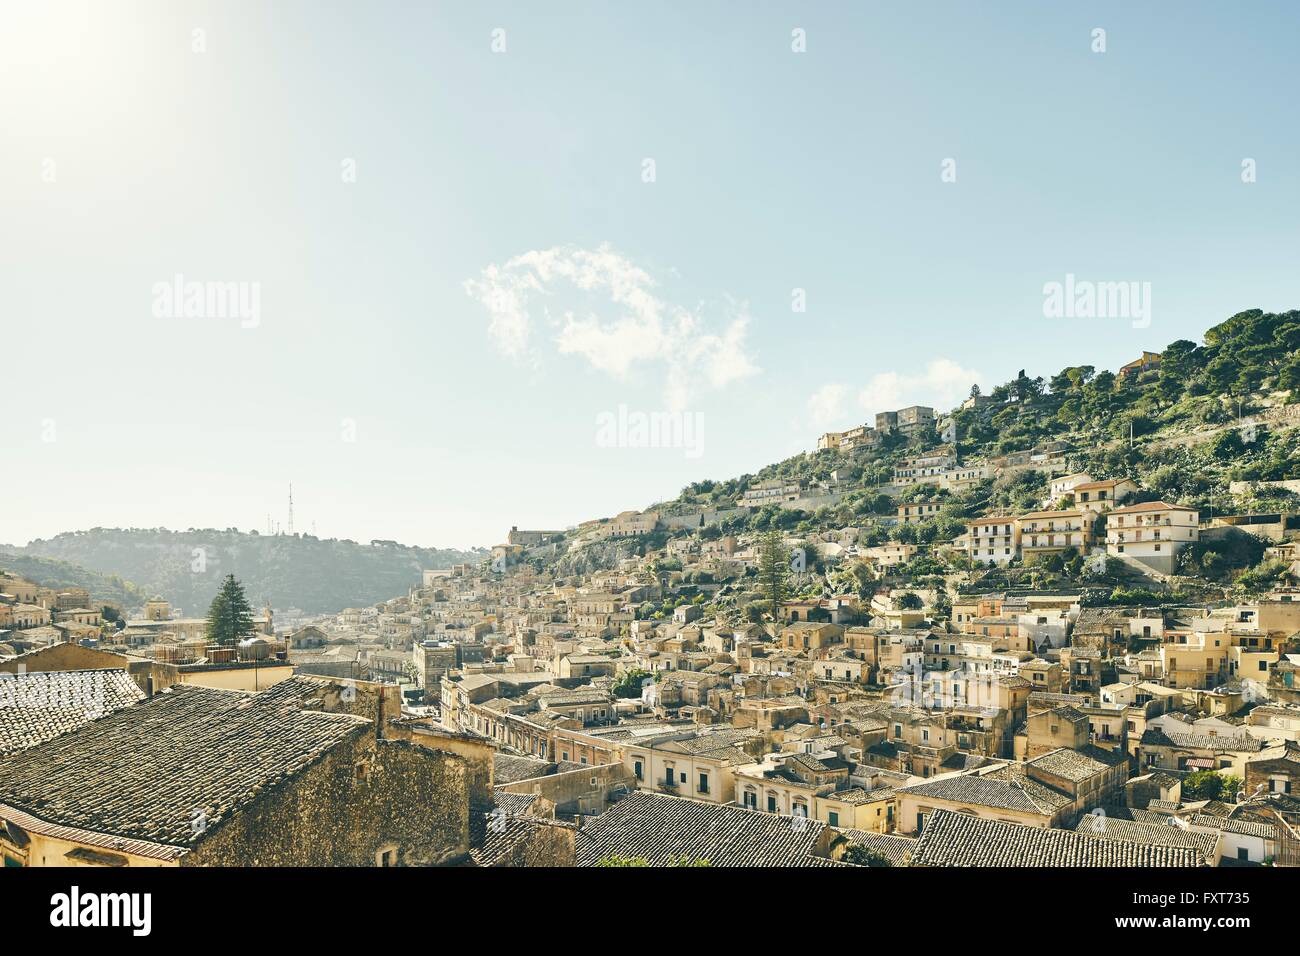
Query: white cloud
x=610 y=317
x=942 y=385
x=826 y=406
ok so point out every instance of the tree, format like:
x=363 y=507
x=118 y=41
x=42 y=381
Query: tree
x=773 y=570
x=908 y=601
x=1210 y=785
x=230 y=616
x=860 y=855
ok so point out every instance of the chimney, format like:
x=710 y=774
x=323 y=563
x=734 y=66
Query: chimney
x=148 y=685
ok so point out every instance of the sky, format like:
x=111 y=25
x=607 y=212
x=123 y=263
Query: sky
x=434 y=264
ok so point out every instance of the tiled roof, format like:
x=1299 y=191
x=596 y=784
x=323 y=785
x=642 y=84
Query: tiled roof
x=1150 y=506
x=510 y=769
x=1154 y=736
x=958 y=839
x=1255 y=828
x=495 y=836
x=659 y=829
x=144 y=772
x=1074 y=765
x=709 y=743
x=858 y=796
x=515 y=804
x=36 y=707
x=1155 y=834
x=1006 y=788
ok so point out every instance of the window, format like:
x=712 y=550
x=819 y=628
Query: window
x=386 y=856
x=637 y=770
x=704 y=783
x=833 y=818
x=771 y=803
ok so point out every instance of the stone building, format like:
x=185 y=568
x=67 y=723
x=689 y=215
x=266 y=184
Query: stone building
x=205 y=777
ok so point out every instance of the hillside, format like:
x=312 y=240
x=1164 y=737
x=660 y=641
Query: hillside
x=186 y=567
x=1198 y=419
x=56 y=574
x=1210 y=414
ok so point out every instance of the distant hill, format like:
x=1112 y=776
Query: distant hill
x=186 y=567
x=52 y=573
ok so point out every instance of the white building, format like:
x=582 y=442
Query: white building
x=1154 y=533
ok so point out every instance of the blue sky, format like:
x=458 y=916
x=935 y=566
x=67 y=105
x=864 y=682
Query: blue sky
x=402 y=400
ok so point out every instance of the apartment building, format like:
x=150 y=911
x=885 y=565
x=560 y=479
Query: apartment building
x=1100 y=496
x=993 y=540
x=916 y=511
x=1044 y=533
x=928 y=467
x=1154 y=532
x=906 y=420
x=771 y=492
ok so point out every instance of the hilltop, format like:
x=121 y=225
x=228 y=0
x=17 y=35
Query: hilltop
x=1197 y=418
x=1208 y=425
x=314 y=574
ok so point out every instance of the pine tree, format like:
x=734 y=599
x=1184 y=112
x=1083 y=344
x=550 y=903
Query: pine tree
x=773 y=570
x=230 y=616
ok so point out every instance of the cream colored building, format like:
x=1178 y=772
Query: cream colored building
x=1044 y=533
x=1100 y=496
x=993 y=540
x=1153 y=533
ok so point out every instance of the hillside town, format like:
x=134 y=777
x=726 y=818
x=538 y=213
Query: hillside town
x=1063 y=683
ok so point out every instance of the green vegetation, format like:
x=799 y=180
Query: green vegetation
x=860 y=855
x=1185 y=426
x=629 y=685
x=230 y=618
x=773 y=570
x=908 y=601
x=1211 y=785
x=56 y=573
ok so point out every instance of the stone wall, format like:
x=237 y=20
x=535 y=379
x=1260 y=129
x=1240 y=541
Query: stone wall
x=572 y=791
x=363 y=797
